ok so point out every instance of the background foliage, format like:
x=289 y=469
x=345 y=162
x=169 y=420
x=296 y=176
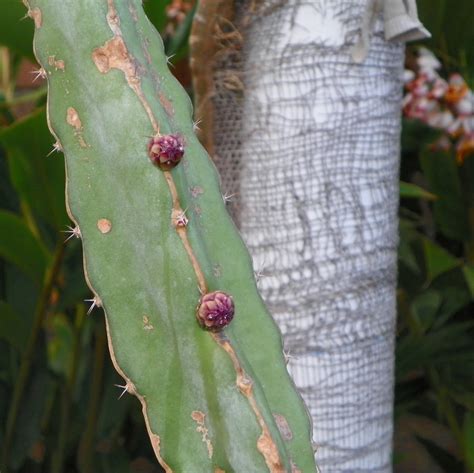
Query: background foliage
x=58 y=400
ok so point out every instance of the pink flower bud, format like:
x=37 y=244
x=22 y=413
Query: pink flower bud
x=166 y=151
x=215 y=311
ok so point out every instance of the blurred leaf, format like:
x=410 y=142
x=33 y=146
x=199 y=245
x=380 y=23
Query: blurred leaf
x=450 y=211
x=179 y=41
x=60 y=341
x=450 y=24
x=38 y=178
x=12 y=328
x=156 y=12
x=468 y=271
x=416 y=135
x=426 y=306
x=437 y=259
x=451 y=343
x=20 y=247
x=406 y=251
x=16 y=32
x=454 y=292
x=448 y=462
x=469 y=438
x=28 y=426
x=412 y=191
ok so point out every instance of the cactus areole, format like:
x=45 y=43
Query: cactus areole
x=213 y=400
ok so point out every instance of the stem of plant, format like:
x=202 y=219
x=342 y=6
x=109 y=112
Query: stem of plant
x=85 y=451
x=67 y=391
x=27 y=358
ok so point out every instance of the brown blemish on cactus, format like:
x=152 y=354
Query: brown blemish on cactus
x=200 y=418
x=295 y=469
x=133 y=12
x=56 y=63
x=154 y=438
x=147 y=325
x=219 y=470
x=72 y=118
x=283 y=427
x=115 y=55
x=196 y=191
x=265 y=443
x=167 y=105
x=36 y=16
x=104 y=225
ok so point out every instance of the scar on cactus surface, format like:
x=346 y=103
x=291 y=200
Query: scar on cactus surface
x=151 y=245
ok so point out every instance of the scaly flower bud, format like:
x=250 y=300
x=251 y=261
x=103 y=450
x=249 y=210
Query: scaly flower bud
x=166 y=151
x=215 y=311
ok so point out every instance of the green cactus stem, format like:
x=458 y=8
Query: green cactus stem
x=156 y=241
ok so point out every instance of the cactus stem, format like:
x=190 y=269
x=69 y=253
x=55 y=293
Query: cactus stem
x=154 y=438
x=265 y=443
x=95 y=302
x=73 y=232
x=184 y=236
x=35 y=15
x=114 y=54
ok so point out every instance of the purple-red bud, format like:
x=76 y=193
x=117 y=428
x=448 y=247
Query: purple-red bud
x=166 y=151
x=215 y=311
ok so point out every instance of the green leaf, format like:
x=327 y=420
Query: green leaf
x=156 y=12
x=468 y=271
x=450 y=24
x=412 y=191
x=426 y=306
x=469 y=438
x=179 y=40
x=28 y=426
x=60 y=344
x=20 y=247
x=16 y=32
x=12 y=328
x=447 y=345
x=454 y=292
x=437 y=259
x=38 y=178
x=450 y=211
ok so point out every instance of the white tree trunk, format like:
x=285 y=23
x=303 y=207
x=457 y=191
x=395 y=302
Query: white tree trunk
x=315 y=158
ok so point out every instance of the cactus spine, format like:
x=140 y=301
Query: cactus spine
x=156 y=241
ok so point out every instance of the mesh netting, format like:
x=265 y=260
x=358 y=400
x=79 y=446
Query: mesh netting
x=309 y=145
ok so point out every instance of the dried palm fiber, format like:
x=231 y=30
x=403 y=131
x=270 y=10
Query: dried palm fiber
x=307 y=142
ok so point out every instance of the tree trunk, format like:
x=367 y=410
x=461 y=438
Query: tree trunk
x=308 y=140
